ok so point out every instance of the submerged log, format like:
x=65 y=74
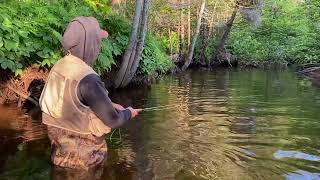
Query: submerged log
x=312 y=71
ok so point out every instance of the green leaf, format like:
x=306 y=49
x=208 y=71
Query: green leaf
x=53 y=61
x=45 y=62
x=11 y=55
x=4 y=65
x=47 y=38
x=57 y=35
x=1 y=42
x=42 y=54
x=1 y=53
x=19 y=65
x=10 y=45
x=7 y=23
x=18 y=72
x=11 y=65
x=46 y=50
x=23 y=33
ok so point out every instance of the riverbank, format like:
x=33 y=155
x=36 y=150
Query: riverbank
x=28 y=86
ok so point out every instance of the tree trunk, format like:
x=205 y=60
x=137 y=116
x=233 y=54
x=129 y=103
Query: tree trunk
x=182 y=29
x=189 y=22
x=205 y=43
x=195 y=37
x=140 y=46
x=228 y=28
x=132 y=43
x=221 y=52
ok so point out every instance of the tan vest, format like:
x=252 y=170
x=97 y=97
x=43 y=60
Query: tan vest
x=60 y=104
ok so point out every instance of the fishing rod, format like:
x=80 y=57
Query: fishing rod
x=155 y=108
x=118 y=140
x=159 y=108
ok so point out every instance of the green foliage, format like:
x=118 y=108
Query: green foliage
x=287 y=34
x=172 y=42
x=154 y=59
x=22 y=41
x=114 y=46
x=105 y=59
x=31 y=33
x=199 y=48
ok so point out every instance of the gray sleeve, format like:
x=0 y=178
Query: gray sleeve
x=92 y=93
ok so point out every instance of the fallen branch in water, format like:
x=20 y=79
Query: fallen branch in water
x=308 y=70
x=24 y=96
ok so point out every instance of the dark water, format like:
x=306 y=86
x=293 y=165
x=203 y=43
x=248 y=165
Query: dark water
x=249 y=124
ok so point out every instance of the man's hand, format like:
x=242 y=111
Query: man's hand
x=134 y=112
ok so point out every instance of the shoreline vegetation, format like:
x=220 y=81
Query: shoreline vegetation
x=155 y=38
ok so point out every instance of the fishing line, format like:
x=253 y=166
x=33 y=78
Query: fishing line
x=159 y=108
x=155 y=108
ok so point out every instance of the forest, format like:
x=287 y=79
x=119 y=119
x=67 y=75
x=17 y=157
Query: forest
x=151 y=38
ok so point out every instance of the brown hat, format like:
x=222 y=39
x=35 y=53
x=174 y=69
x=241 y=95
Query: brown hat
x=83 y=38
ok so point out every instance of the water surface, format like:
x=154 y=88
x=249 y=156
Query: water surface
x=224 y=124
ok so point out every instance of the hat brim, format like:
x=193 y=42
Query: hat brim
x=103 y=34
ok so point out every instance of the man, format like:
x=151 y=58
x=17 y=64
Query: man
x=75 y=104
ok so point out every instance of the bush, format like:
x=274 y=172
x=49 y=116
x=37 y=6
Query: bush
x=114 y=46
x=31 y=33
x=287 y=35
x=27 y=36
x=154 y=59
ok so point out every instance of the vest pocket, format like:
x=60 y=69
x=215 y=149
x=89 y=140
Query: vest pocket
x=96 y=126
x=54 y=95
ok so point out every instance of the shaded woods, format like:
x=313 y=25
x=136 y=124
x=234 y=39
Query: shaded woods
x=149 y=38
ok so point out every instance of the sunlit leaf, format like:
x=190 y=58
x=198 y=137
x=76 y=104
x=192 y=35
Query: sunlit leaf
x=23 y=33
x=7 y=23
x=1 y=42
x=18 y=72
x=57 y=35
x=9 y=44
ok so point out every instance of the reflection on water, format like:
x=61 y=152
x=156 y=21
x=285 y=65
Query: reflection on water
x=224 y=124
x=295 y=154
x=302 y=175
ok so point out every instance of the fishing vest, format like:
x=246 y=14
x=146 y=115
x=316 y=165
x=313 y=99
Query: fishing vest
x=60 y=104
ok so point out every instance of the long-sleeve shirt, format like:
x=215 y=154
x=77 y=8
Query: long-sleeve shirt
x=91 y=92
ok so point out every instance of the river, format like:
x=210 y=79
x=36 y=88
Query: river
x=222 y=124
